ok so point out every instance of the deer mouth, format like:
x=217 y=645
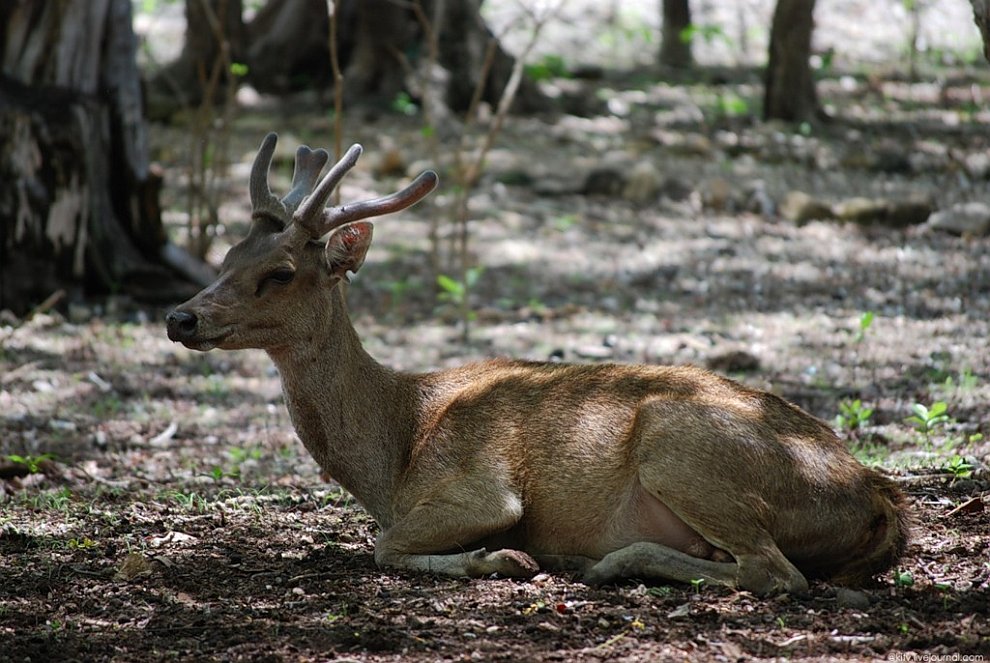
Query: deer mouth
x=205 y=344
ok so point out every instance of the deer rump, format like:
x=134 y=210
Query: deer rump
x=613 y=471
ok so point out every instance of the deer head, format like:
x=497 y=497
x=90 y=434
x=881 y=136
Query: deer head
x=272 y=283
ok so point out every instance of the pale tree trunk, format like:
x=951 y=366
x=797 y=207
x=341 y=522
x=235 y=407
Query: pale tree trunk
x=78 y=201
x=981 y=16
x=790 y=88
x=674 y=50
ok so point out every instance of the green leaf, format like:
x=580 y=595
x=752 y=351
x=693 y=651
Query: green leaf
x=452 y=286
x=937 y=408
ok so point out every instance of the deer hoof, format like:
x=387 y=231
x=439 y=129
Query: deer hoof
x=513 y=564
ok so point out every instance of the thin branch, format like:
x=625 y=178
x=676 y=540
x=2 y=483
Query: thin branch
x=338 y=92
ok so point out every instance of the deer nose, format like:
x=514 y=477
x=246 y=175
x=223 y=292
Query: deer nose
x=181 y=325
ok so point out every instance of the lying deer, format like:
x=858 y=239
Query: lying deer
x=505 y=466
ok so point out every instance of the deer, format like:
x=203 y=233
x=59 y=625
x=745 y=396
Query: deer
x=508 y=467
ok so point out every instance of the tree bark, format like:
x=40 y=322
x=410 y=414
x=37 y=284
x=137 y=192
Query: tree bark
x=212 y=27
x=675 y=51
x=790 y=88
x=288 y=45
x=78 y=200
x=380 y=44
x=981 y=16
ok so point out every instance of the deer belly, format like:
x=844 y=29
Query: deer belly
x=601 y=527
x=646 y=518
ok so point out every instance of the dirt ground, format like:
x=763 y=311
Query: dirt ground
x=156 y=505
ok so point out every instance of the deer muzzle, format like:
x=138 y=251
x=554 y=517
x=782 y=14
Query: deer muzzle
x=184 y=327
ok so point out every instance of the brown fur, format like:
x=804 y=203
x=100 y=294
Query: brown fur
x=610 y=470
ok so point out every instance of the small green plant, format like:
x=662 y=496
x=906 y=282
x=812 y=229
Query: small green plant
x=80 y=544
x=865 y=322
x=107 y=407
x=958 y=467
x=903 y=578
x=32 y=463
x=458 y=292
x=965 y=381
x=852 y=416
x=708 y=33
x=548 y=67
x=869 y=453
x=404 y=104
x=216 y=386
x=52 y=500
x=191 y=501
x=926 y=419
x=731 y=105
x=697 y=584
x=564 y=222
x=239 y=455
x=397 y=290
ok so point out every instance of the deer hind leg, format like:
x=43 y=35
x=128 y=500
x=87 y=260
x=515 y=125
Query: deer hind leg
x=687 y=541
x=731 y=526
x=645 y=559
x=417 y=540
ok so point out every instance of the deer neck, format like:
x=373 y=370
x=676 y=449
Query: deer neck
x=352 y=414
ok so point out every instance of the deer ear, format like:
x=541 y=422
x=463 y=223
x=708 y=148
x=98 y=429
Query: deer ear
x=347 y=248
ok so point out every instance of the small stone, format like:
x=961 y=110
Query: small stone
x=717 y=195
x=133 y=566
x=863 y=210
x=644 y=183
x=800 y=207
x=963 y=219
x=604 y=181
x=390 y=163
x=596 y=352
x=675 y=189
x=911 y=212
x=977 y=164
x=851 y=598
x=734 y=361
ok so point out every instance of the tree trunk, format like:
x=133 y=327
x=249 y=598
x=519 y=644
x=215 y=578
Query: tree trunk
x=289 y=48
x=675 y=51
x=981 y=16
x=790 y=88
x=381 y=43
x=215 y=33
x=78 y=200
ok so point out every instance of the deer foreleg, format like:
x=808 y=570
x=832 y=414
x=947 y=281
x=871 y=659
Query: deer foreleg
x=419 y=540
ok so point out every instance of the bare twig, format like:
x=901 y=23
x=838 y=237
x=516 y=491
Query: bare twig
x=470 y=175
x=338 y=91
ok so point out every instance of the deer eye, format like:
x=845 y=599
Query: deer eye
x=282 y=276
x=278 y=277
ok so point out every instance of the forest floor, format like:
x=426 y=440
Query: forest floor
x=156 y=505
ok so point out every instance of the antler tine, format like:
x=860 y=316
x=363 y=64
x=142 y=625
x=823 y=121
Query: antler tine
x=335 y=217
x=263 y=201
x=309 y=213
x=309 y=163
